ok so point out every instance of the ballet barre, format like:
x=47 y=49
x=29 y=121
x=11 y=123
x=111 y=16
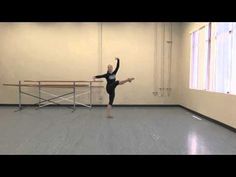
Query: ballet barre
x=41 y=85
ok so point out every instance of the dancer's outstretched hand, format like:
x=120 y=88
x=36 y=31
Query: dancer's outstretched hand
x=94 y=78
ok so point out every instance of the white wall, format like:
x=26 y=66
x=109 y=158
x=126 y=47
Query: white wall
x=72 y=51
x=218 y=106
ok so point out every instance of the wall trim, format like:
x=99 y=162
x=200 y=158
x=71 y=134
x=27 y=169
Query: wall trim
x=210 y=119
x=98 y=105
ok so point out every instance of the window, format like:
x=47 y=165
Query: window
x=221 y=57
x=222 y=71
x=233 y=61
x=199 y=58
x=194 y=59
x=213 y=58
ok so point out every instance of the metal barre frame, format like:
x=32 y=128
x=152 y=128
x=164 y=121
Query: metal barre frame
x=39 y=103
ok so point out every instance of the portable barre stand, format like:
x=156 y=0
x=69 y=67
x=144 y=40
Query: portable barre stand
x=44 y=84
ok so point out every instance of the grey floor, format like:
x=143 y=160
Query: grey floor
x=133 y=130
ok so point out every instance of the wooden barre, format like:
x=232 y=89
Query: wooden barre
x=52 y=85
x=59 y=81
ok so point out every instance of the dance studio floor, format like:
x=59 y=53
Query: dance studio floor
x=133 y=130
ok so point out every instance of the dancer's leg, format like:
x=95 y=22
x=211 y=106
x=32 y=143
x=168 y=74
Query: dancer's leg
x=124 y=81
x=109 y=111
x=109 y=106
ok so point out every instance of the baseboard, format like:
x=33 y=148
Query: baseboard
x=97 y=105
x=142 y=105
x=136 y=105
x=210 y=119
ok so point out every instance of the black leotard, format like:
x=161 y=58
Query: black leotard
x=111 y=82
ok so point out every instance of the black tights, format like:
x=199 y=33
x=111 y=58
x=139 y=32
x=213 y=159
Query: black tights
x=111 y=91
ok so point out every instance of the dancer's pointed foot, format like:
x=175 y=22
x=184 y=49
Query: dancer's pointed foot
x=130 y=79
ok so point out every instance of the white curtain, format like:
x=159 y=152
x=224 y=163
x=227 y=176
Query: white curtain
x=212 y=67
x=233 y=62
x=220 y=61
x=203 y=57
x=199 y=58
x=194 y=60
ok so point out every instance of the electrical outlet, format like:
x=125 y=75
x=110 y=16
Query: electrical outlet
x=155 y=93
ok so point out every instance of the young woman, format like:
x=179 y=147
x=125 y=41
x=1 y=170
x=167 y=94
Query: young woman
x=112 y=83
